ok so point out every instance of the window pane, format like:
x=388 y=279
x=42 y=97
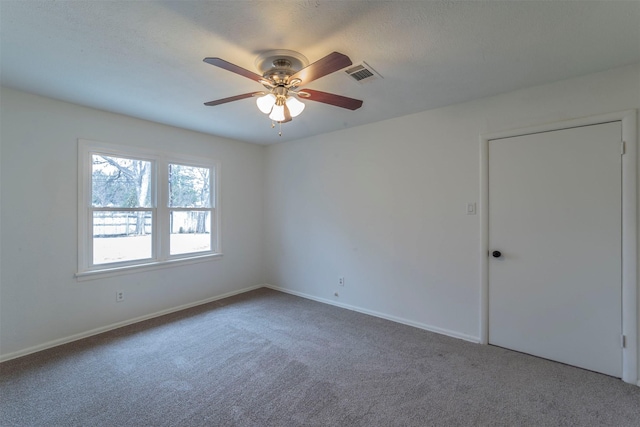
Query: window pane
x=121 y=236
x=189 y=187
x=190 y=232
x=120 y=182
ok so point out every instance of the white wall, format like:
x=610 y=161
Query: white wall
x=40 y=300
x=384 y=204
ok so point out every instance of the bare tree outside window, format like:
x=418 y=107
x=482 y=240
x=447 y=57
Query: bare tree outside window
x=121 y=201
x=190 y=209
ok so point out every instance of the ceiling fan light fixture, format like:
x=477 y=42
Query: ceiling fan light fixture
x=283 y=72
x=266 y=103
x=295 y=107
x=277 y=114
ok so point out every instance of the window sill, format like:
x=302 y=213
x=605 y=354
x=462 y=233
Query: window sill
x=82 y=276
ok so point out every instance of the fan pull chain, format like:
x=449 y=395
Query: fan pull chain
x=273 y=125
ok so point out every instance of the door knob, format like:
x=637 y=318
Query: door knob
x=496 y=254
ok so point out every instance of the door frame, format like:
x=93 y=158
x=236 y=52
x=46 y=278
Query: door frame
x=629 y=227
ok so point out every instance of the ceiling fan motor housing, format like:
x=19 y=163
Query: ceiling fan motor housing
x=279 y=65
x=279 y=75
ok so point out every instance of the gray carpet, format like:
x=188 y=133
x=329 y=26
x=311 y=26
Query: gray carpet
x=265 y=358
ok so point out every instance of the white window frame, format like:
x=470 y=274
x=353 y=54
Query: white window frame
x=160 y=234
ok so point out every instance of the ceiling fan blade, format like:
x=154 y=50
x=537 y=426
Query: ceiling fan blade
x=327 y=65
x=233 y=68
x=287 y=114
x=332 y=99
x=231 y=99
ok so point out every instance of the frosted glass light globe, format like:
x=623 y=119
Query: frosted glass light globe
x=266 y=103
x=277 y=114
x=295 y=107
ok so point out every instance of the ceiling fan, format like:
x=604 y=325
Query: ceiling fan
x=283 y=73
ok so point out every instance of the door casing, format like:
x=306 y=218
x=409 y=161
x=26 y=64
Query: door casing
x=629 y=228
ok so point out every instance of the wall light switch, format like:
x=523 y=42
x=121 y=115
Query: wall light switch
x=471 y=208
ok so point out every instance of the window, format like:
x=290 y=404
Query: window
x=189 y=209
x=140 y=208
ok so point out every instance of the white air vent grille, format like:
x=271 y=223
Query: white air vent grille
x=359 y=73
x=362 y=73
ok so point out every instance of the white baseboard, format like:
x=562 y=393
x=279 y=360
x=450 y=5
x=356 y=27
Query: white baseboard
x=396 y=319
x=117 y=325
x=96 y=331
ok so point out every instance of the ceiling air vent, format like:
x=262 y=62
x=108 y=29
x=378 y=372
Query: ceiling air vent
x=363 y=73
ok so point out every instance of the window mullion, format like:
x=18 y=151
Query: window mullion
x=162 y=192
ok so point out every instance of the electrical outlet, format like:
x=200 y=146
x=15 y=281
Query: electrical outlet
x=119 y=296
x=341 y=281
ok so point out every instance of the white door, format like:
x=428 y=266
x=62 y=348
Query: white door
x=555 y=216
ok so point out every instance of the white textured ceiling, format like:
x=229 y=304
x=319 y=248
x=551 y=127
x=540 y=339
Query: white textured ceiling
x=144 y=58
